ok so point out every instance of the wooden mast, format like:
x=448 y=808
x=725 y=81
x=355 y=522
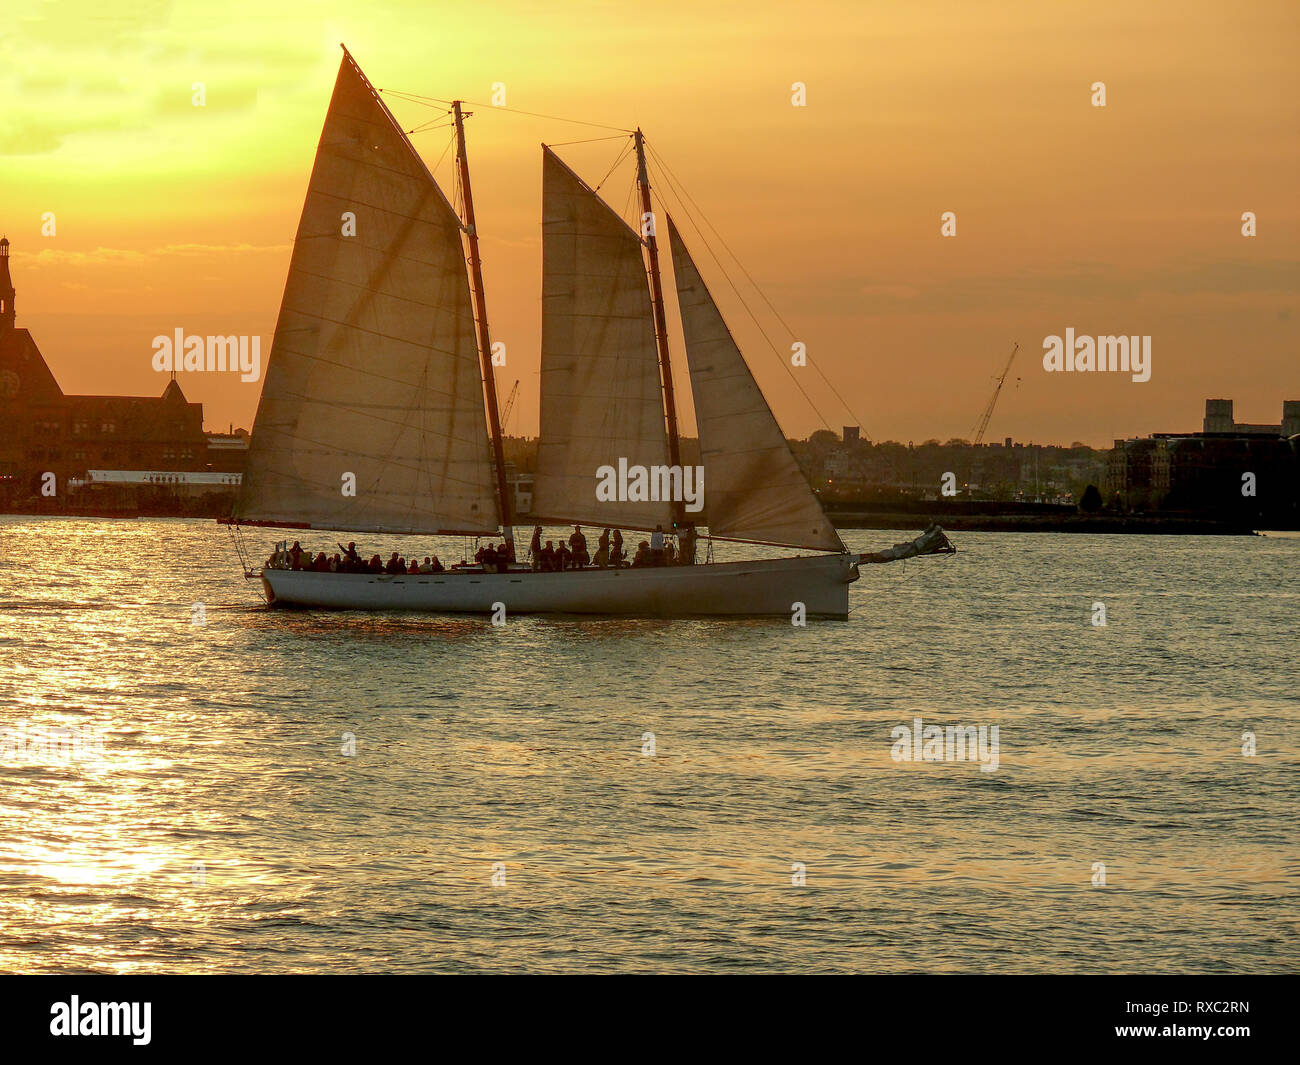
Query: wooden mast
x=484 y=343
x=661 y=330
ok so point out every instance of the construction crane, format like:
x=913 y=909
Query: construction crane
x=510 y=405
x=993 y=399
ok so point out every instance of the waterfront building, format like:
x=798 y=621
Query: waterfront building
x=65 y=453
x=1232 y=470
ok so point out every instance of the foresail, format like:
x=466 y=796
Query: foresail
x=371 y=416
x=754 y=489
x=601 y=398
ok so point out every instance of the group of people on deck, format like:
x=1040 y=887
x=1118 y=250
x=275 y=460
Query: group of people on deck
x=349 y=560
x=657 y=551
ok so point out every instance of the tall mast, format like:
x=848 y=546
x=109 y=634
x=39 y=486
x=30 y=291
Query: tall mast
x=484 y=344
x=661 y=320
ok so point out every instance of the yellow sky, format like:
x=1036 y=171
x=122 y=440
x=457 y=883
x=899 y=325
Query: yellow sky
x=1117 y=220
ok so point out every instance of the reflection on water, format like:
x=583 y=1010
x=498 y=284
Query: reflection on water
x=223 y=828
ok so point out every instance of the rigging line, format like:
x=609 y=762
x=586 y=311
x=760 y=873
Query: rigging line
x=762 y=295
x=687 y=202
x=426 y=127
x=459 y=200
x=450 y=142
x=780 y=357
x=618 y=159
x=589 y=140
x=627 y=206
x=418 y=98
x=678 y=194
x=413 y=97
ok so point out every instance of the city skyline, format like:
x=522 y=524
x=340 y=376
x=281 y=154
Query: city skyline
x=167 y=215
x=992 y=439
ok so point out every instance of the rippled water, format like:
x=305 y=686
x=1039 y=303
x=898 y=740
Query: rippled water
x=223 y=829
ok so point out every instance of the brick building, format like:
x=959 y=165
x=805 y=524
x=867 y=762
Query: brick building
x=1230 y=470
x=67 y=453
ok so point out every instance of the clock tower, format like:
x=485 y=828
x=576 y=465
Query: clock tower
x=6 y=289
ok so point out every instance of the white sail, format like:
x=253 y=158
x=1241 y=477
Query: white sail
x=601 y=398
x=372 y=415
x=754 y=489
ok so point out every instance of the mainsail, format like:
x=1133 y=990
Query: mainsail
x=754 y=487
x=374 y=369
x=600 y=387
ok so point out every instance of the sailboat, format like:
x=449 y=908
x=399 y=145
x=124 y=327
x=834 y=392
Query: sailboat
x=372 y=414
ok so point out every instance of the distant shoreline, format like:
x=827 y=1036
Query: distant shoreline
x=852 y=518
x=1141 y=524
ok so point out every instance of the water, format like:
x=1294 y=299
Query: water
x=223 y=830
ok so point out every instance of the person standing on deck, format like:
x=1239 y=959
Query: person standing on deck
x=686 y=540
x=657 y=546
x=578 y=546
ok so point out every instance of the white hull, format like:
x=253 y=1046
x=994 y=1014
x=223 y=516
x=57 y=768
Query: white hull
x=760 y=587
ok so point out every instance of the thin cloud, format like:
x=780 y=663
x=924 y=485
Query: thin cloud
x=110 y=256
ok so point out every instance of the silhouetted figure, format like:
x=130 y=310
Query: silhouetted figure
x=657 y=546
x=686 y=557
x=578 y=548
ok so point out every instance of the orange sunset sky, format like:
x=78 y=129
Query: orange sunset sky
x=1122 y=219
